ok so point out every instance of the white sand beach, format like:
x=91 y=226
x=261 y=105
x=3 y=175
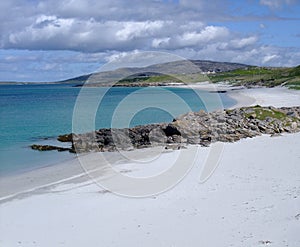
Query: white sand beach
x=251 y=199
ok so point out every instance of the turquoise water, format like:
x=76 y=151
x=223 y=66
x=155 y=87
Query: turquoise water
x=38 y=113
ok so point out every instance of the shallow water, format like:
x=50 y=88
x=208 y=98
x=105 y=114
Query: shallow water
x=38 y=113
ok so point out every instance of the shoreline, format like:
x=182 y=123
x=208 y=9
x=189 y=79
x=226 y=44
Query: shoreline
x=50 y=175
x=251 y=199
x=262 y=96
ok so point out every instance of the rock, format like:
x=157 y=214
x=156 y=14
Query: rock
x=120 y=138
x=294 y=125
x=276 y=134
x=48 y=148
x=262 y=128
x=191 y=128
x=176 y=138
x=265 y=242
x=171 y=130
x=252 y=116
x=157 y=136
x=193 y=140
x=65 y=138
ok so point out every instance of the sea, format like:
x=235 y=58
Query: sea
x=38 y=113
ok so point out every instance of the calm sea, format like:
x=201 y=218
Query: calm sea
x=31 y=114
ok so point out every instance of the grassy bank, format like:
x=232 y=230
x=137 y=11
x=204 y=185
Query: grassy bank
x=249 y=77
x=261 y=76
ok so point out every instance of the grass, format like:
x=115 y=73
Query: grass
x=263 y=113
x=295 y=87
x=149 y=79
x=293 y=83
x=162 y=78
x=250 y=76
x=268 y=77
x=189 y=78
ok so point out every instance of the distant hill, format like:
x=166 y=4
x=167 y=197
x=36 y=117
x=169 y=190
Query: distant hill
x=189 y=71
x=183 y=67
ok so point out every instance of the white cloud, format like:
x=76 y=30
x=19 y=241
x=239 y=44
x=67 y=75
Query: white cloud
x=50 y=66
x=240 y=43
x=181 y=38
x=52 y=32
x=276 y=3
x=257 y=55
x=96 y=31
x=15 y=59
x=132 y=29
x=208 y=34
x=137 y=58
x=262 y=26
x=160 y=42
x=269 y=58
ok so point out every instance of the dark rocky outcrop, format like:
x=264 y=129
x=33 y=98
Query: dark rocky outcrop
x=49 y=148
x=192 y=128
x=65 y=138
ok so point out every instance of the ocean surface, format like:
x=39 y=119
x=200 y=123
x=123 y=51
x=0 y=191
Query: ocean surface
x=37 y=114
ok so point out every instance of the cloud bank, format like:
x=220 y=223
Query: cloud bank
x=99 y=30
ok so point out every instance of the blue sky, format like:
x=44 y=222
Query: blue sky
x=55 y=40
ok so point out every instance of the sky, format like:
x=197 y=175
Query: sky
x=56 y=40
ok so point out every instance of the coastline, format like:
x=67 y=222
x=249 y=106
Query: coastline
x=252 y=186
x=26 y=183
x=276 y=96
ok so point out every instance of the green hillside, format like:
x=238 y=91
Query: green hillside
x=261 y=76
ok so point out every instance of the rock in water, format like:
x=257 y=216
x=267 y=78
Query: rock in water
x=49 y=148
x=191 y=128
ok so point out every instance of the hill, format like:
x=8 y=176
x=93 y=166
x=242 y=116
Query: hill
x=184 y=70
